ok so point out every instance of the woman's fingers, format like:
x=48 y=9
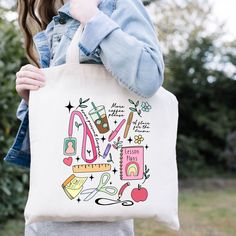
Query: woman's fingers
x=29 y=77
x=32 y=68
x=24 y=87
x=30 y=74
x=29 y=81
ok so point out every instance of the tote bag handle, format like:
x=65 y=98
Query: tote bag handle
x=73 y=51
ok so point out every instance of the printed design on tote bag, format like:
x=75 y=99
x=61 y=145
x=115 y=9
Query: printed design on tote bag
x=89 y=168
x=101 y=142
x=132 y=163
x=146 y=107
x=68 y=161
x=99 y=117
x=117 y=144
x=73 y=185
x=138 y=139
x=104 y=179
x=70 y=145
x=68 y=142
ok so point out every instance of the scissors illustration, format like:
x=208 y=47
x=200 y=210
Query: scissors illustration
x=110 y=190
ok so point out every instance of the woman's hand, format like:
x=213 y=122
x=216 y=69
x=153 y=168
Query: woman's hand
x=29 y=77
x=83 y=10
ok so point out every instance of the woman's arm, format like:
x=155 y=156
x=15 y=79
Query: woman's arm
x=128 y=46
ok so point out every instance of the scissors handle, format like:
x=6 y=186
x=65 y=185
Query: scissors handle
x=88 y=191
x=110 y=190
x=104 y=180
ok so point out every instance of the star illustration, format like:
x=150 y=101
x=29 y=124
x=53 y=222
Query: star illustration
x=91 y=177
x=115 y=122
x=146 y=147
x=69 y=106
x=114 y=170
x=78 y=199
x=77 y=158
x=103 y=138
x=130 y=139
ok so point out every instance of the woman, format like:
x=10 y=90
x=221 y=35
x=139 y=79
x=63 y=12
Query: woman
x=117 y=33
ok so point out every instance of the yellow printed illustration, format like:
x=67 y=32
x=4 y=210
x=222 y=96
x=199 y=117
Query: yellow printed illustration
x=91 y=168
x=73 y=186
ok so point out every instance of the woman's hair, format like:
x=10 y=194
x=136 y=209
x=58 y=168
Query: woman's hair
x=34 y=16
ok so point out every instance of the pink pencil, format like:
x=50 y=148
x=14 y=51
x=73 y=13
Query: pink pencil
x=115 y=132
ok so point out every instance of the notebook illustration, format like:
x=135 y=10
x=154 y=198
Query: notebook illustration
x=132 y=163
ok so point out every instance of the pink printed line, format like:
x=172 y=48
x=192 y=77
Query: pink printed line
x=86 y=132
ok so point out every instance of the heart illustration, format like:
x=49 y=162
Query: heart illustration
x=67 y=161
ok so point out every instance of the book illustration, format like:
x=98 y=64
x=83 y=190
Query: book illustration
x=67 y=161
x=99 y=117
x=88 y=168
x=69 y=148
x=128 y=124
x=132 y=163
x=104 y=179
x=73 y=186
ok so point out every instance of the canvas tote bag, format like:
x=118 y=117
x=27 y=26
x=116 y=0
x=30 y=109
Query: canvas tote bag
x=99 y=152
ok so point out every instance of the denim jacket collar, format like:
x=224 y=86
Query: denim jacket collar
x=65 y=10
x=41 y=39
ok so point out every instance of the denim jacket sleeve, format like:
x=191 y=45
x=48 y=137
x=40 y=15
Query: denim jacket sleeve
x=21 y=110
x=129 y=34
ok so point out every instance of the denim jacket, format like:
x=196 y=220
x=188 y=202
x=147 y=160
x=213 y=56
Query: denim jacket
x=121 y=36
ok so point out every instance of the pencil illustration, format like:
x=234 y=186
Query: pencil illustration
x=128 y=124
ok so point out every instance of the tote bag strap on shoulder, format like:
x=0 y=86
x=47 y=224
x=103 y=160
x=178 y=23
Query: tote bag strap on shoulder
x=73 y=52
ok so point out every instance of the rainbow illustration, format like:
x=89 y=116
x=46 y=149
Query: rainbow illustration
x=132 y=163
x=132 y=169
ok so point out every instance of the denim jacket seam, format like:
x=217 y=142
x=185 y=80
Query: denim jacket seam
x=20 y=133
x=114 y=5
x=18 y=158
x=84 y=49
x=41 y=40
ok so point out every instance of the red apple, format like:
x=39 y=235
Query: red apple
x=139 y=194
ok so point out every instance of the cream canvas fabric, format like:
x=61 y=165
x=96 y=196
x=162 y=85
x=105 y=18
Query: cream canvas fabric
x=99 y=152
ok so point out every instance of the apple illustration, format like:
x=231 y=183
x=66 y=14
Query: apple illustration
x=139 y=194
